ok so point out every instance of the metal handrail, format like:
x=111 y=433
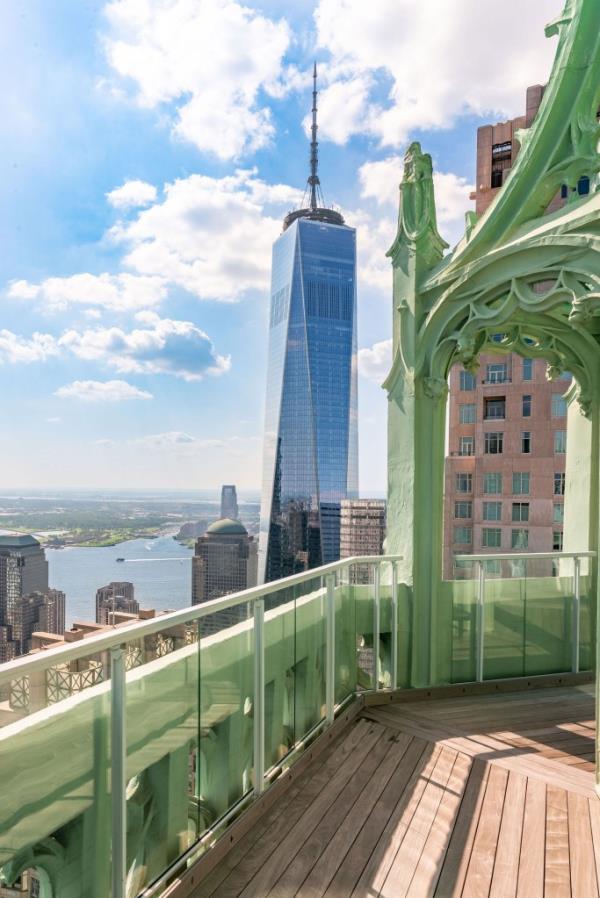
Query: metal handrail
x=520 y=556
x=92 y=645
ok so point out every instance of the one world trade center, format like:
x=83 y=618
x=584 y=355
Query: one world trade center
x=310 y=460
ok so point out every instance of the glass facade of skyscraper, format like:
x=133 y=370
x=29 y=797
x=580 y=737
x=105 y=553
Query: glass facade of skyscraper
x=311 y=436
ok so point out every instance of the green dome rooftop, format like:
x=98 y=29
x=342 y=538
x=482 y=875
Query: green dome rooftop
x=227 y=527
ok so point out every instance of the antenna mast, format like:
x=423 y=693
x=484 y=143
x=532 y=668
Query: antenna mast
x=313 y=180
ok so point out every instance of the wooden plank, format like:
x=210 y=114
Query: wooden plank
x=404 y=865
x=337 y=773
x=531 y=862
x=336 y=852
x=581 y=847
x=232 y=850
x=557 y=879
x=494 y=750
x=483 y=855
x=380 y=762
x=506 y=865
x=369 y=880
x=432 y=858
x=257 y=874
x=595 y=826
x=454 y=869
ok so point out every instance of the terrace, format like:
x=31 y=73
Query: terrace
x=409 y=735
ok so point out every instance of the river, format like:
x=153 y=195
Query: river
x=160 y=570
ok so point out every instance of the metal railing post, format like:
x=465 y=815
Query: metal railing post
x=480 y=625
x=330 y=649
x=118 y=760
x=376 y=581
x=394 y=664
x=259 y=696
x=576 y=615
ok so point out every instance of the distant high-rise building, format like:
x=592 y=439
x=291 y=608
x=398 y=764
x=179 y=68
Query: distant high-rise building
x=116 y=596
x=229 y=503
x=362 y=532
x=225 y=561
x=23 y=571
x=39 y=611
x=311 y=437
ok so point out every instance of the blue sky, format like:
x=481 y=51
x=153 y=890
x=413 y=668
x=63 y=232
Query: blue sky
x=149 y=151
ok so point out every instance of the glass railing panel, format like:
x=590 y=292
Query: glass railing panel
x=310 y=655
x=387 y=644
x=225 y=757
x=280 y=658
x=55 y=765
x=464 y=588
x=504 y=634
x=364 y=587
x=345 y=636
x=162 y=724
x=586 y=633
x=548 y=615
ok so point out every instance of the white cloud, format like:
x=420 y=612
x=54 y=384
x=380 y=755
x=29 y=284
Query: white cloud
x=101 y=391
x=211 y=236
x=439 y=60
x=162 y=346
x=37 y=348
x=375 y=362
x=176 y=439
x=132 y=194
x=210 y=58
x=118 y=292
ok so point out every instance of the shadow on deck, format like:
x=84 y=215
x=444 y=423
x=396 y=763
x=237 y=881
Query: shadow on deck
x=482 y=795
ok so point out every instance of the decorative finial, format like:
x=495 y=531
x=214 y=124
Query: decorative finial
x=314 y=153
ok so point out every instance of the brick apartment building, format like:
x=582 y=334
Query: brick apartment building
x=505 y=470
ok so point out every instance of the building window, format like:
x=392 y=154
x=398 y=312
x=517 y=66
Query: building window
x=560 y=442
x=492 y=511
x=559 y=484
x=583 y=186
x=466 y=446
x=463 y=509
x=466 y=414
x=526 y=407
x=526 y=442
x=491 y=537
x=496 y=373
x=495 y=408
x=464 y=483
x=519 y=539
x=463 y=536
x=520 y=511
x=527 y=369
x=559 y=406
x=558 y=513
x=492 y=483
x=467 y=380
x=520 y=483
x=557 y=541
x=496 y=178
x=493 y=443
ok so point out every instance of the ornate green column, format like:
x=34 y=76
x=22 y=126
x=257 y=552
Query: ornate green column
x=416 y=418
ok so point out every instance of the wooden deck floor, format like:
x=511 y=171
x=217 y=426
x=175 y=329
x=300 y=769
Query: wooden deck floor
x=489 y=796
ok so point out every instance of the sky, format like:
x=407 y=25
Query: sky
x=149 y=150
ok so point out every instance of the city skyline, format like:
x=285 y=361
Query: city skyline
x=140 y=359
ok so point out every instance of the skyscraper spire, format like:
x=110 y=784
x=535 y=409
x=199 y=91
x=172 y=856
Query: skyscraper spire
x=315 y=208
x=314 y=148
